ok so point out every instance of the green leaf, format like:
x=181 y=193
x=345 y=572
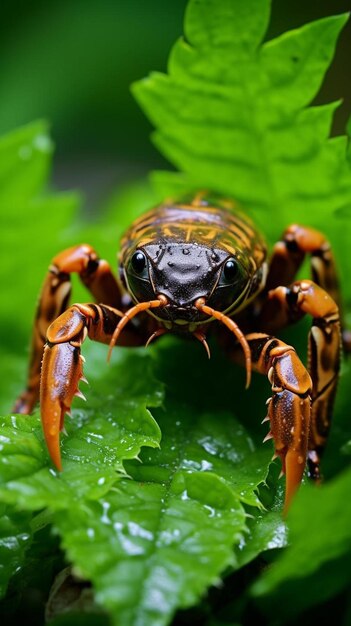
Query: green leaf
x=348 y=128
x=32 y=559
x=100 y=438
x=25 y=157
x=317 y=561
x=346 y=449
x=150 y=547
x=32 y=225
x=230 y=114
x=267 y=531
x=155 y=541
x=15 y=539
x=217 y=25
x=295 y=63
x=204 y=426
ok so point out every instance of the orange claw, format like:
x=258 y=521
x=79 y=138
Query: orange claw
x=294 y=468
x=289 y=408
x=61 y=372
x=289 y=414
x=62 y=366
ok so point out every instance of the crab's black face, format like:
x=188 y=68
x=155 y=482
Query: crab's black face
x=183 y=273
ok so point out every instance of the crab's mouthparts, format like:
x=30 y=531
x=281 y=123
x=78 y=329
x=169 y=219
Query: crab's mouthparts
x=200 y=305
x=181 y=314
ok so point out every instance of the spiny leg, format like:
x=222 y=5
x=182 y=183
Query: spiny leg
x=62 y=367
x=287 y=258
x=95 y=274
x=289 y=408
x=289 y=253
x=324 y=353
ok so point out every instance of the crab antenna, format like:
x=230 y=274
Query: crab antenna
x=201 y=337
x=229 y=323
x=138 y=308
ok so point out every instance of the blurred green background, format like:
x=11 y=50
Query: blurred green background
x=72 y=61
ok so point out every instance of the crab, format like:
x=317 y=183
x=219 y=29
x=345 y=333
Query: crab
x=193 y=267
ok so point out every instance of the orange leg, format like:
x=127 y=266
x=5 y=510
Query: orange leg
x=288 y=255
x=62 y=367
x=95 y=274
x=324 y=352
x=289 y=408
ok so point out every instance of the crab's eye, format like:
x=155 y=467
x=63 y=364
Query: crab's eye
x=138 y=262
x=230 y=270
